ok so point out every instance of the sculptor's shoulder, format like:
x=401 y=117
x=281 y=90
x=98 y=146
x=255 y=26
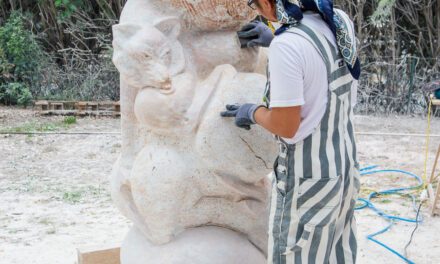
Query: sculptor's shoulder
x=289 y=43
x=289 y=50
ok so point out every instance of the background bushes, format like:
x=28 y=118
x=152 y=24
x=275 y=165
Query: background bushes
x=21 y=61
x=399 y=43
x=57 y=49
x=61 y=49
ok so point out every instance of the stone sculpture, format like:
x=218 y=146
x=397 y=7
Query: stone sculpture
x=193 y=184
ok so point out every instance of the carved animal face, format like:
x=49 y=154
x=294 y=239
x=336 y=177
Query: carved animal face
x=148 y=56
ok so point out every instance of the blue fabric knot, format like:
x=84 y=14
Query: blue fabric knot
x=290 y=13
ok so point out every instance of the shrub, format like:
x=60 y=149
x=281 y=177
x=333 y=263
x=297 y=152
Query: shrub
x=69 y=120
x=20 y=48
x=68 y=57
x=5 y=67
x=15 y=93
x=21 y=61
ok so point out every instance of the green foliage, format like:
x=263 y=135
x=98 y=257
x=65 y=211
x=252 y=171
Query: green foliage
x=15 y=93
x=67 y=7
x=69 y=120
x=5 y=66
x=20 y=49
x=382 y=14
x=60 y=49
x=33 y=127
x=21 y=61
x=72 y=197
x=76 y=38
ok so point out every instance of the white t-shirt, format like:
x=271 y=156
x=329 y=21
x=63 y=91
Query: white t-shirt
x=298 y=76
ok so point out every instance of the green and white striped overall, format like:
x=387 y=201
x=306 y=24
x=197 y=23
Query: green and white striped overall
x=316 y=180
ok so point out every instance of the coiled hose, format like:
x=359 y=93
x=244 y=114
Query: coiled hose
x=391 y=219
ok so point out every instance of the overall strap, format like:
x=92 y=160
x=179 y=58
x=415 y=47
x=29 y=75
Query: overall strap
x=338 y=74
x=327 y=51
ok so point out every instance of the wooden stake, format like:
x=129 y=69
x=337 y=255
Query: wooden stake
x=99 y=255
x=434 y=196
x=434 y=167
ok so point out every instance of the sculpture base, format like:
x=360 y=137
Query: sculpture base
x=203 y=245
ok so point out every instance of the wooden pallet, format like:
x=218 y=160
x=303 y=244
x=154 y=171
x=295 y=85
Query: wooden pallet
x=80 y=108
x=435 y=104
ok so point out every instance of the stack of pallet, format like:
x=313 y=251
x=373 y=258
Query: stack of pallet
x=81 y=108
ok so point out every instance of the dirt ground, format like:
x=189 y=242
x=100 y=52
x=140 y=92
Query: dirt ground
x=54 y=188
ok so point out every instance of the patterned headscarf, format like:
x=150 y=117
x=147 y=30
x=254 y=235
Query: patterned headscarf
x=290 y=12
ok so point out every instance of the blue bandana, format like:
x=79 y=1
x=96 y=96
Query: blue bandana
x=290 y=13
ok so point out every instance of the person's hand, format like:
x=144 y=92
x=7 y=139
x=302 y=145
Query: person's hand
x=255 y=33
x=244 y=114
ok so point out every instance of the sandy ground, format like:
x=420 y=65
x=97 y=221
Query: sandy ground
x=54 y=189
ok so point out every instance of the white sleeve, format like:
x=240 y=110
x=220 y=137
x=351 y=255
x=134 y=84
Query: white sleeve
x=286 y=75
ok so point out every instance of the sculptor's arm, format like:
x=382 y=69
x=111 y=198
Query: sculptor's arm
x=281 y=121
x=286 y=66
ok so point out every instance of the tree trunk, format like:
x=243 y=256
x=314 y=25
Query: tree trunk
x=437 y=53
x=360 y=18
x=393 y=51
x=12 y=3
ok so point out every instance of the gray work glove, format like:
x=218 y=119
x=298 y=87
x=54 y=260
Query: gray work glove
x=256 y=33
x=244 y=114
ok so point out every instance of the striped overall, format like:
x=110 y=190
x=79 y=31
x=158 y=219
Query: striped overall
x=316 y=180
